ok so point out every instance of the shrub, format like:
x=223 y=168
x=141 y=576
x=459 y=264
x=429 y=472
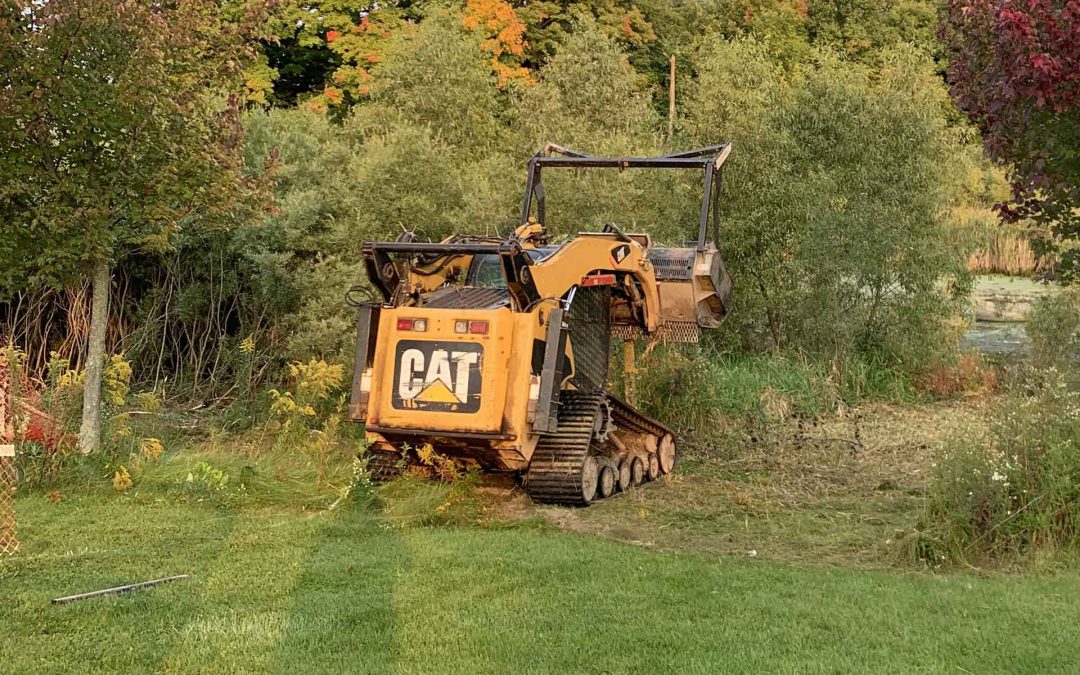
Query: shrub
x=1017 y=490
x=836 y=203
x=308 y=417
x=1054 y=328
x=717 y=402
x=47 y=417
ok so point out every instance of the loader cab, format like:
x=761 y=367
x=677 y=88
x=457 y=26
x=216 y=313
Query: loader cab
x=486 y=270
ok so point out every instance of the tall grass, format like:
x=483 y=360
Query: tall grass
x=1016 y=491
x=717 y=401
x=1006 y=251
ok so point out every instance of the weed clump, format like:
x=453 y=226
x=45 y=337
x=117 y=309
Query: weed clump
x=1015 y=492
x=964 y=374
x=416 y=501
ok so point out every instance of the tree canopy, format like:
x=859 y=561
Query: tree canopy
x=1015 y=69
x=114 y=135
x=839 y=211
x=326 y=54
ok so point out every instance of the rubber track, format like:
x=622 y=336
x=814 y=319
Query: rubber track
x=384 y=467
x=554 y=475
x=627 y=417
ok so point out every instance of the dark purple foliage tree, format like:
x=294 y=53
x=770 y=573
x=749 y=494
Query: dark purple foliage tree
x=1014 y=67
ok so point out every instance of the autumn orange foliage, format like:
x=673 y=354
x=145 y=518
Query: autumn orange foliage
x=333 y=95
x=969 y=375
x=505 y=41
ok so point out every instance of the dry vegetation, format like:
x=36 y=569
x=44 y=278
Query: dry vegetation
x=1007 y=251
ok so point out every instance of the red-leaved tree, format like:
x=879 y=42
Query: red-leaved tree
x=1014 y=67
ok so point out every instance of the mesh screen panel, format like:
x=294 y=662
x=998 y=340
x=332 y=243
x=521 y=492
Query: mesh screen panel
x=590 y=337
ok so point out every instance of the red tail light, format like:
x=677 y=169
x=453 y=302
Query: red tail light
x=404 y=324
x=474 y=327
x=418 y=325
x=598 y=280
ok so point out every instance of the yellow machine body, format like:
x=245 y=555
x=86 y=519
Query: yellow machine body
x=464 y=393
x=474 y=395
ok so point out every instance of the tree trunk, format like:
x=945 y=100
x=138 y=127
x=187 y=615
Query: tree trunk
x=90 y=430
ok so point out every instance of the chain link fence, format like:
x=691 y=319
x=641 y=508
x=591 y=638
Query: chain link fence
x=9 y=544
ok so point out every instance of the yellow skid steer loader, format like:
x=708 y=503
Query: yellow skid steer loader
x=495 y=351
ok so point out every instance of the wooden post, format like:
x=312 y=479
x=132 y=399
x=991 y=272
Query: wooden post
x=629 y=371
x=671 y=102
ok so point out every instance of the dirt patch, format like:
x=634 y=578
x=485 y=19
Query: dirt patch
x=839 y=490
x=501 y=500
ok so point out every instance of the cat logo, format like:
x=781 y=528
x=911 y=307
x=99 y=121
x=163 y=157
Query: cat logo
x=619 y=253
x=437 y=376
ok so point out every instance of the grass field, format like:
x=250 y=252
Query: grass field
x=284 y=590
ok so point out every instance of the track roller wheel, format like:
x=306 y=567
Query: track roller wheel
x=637 y=471
x=667 y=454
x=571 y=483
x=624 y=481
x=590 y=476
x=605 y=484
x=652 y=466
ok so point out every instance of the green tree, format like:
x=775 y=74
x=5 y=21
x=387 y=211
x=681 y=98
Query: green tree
x=591 y=99
x=423 y=152
x=115 y=136
x=837 y=198
x=861 y=29
x=323 y=52
x=550 y=23
x=435 y=74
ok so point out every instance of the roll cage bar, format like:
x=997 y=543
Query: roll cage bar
x=515 y=263
x=513 y=259
x=710 y=159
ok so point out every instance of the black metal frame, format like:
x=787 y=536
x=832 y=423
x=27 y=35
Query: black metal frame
x=367 y=330
x=710 y=159
x=515 y=264
x=384 y=274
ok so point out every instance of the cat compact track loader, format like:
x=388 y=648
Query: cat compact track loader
x=495 y=351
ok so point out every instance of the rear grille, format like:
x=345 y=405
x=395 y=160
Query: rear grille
x=468 y=297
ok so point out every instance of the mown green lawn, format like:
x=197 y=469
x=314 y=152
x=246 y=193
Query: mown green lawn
x=286 y=591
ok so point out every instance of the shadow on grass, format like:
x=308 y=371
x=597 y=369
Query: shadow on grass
x=342 y=616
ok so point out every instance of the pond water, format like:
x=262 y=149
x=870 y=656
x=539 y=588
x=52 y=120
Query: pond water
x=1000 y=306
x=995 y=338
